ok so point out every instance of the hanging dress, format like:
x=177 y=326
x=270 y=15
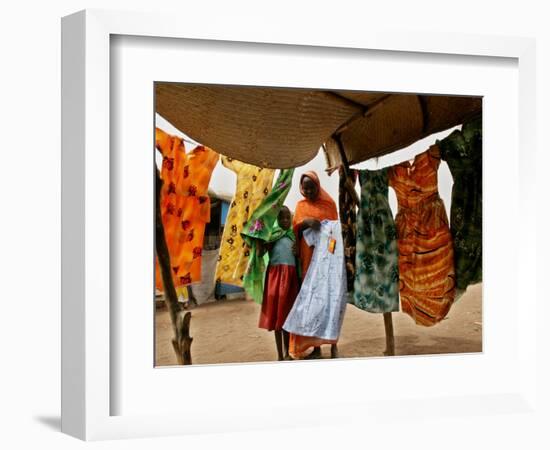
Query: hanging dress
x=348 y=220
x=377 y=278
x=462 y=152
x=262 y=226
x=184 y=205
x=318 y=311
x=253 y=185
x=426 y=257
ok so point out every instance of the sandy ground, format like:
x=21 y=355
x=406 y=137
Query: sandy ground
x=227 y=331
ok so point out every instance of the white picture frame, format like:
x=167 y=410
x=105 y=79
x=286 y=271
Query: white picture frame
x=87 y=327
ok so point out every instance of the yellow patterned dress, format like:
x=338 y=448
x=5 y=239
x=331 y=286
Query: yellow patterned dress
x=253 y=184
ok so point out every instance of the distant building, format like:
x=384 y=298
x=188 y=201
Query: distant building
x=219 y=209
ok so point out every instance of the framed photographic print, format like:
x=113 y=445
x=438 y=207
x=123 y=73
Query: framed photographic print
x=274 y=228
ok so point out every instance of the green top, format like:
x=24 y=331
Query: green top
x=281 y=253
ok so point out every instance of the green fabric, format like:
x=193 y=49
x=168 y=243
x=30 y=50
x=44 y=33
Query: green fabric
x=263 y=227
x=376 y=287
x=463 y=153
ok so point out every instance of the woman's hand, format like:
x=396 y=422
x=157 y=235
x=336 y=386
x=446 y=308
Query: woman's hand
x=294 y=249
x=260 y=247
x=314 y=224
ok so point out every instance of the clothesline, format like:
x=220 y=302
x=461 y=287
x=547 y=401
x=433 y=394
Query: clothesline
x=163 y=124
x=406 y=153
x=189 y=141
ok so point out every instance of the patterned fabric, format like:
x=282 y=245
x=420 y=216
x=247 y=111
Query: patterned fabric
x=462 y=152
x=318 y=311
x=263 y=226
x=426 y=257
x=253 y=185
x=184 y=205
x=348 y=219
x=377 y=278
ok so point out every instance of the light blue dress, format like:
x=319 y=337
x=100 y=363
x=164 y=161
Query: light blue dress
x=320 y=306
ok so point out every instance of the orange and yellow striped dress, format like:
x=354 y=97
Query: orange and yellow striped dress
x=426 y=262
x=184 y=206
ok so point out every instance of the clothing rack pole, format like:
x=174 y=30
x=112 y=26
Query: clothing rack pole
x=345 y=162
x=390 y=341
x=181 y=341
x=388 y=320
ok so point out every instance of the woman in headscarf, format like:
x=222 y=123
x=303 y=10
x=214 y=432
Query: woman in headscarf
x=316 y=206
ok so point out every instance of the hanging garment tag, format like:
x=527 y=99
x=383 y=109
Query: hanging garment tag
x=331 y=245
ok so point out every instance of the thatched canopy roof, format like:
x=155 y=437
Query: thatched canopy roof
x=282 y=127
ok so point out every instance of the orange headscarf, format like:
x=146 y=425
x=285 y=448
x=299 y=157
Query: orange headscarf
x=323 y=207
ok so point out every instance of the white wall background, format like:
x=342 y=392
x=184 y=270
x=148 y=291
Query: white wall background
x=30 y=225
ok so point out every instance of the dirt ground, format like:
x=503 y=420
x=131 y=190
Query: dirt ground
x=227 y=332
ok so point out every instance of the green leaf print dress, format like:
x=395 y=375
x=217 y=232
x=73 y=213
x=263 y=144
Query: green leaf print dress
x=376 y=287
x=462 y=152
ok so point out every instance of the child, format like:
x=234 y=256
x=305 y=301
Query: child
x=281 y=281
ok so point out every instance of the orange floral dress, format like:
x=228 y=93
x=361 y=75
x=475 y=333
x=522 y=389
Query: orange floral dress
x=426 y=260
x=184 y=205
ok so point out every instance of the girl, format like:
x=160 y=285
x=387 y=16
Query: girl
x=273 y=283
x=281 y=281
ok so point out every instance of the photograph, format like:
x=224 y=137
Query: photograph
x=298 y=224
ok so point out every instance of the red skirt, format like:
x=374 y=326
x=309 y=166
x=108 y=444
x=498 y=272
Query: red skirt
x=280 y=290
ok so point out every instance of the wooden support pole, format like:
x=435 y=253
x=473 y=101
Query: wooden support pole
x=345 y=163
x=345 y=166
x=180 y=320
x=182 y=340
x=390 y=342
